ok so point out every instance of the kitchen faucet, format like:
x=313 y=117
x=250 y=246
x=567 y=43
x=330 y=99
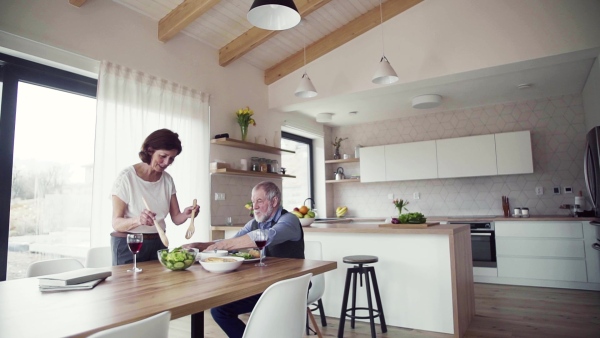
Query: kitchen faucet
x=312 y=203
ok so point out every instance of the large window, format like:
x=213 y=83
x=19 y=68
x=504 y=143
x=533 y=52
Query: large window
x=296 y=191
x=47 y=126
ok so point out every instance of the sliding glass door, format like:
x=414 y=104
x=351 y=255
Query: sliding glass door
x=47 y=126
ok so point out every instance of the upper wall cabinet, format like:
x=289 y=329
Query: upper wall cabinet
x=471 y=156
x=466 y=156
x=410 y=161
x=372 y=164
x=513 y=153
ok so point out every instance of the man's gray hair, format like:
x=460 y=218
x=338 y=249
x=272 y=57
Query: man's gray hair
x=270 y=189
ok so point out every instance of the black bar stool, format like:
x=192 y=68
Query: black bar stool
x=352 y=274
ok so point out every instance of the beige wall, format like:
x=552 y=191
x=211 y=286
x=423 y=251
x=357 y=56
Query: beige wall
x=591 y=97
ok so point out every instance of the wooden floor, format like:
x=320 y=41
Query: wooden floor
x=501 y=311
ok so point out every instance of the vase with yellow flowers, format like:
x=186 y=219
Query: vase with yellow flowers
x=244 y=119
x=337 y=143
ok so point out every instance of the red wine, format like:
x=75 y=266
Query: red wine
x=260 y=244
x=135 y=247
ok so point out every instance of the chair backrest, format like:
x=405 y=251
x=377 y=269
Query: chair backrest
x=280 y=311
x=313 y=250
x=99 y=257
x=52 y=266
x=156 y=326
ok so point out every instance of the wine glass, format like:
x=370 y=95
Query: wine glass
x=134 y=241
x=262 y=235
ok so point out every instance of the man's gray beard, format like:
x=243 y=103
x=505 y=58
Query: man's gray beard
x=265 y=217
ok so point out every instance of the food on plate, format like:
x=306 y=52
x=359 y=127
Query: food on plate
x=219 y=260
x=244 y=255
x=254 y=253
x=341 y=211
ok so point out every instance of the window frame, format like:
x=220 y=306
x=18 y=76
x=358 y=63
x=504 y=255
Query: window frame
x=12 y=71
x=309 y=143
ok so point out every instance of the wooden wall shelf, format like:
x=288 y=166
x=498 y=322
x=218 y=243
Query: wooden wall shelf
x=349 y=160
x=229 y=142
x=228 y=171
x=348 y=180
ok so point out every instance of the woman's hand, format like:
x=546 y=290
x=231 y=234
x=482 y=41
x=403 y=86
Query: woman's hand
x=188 y=211
x=147 y=217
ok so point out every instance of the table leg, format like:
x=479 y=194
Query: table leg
x=198 y=325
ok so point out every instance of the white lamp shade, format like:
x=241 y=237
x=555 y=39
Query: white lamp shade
x=305 y=88
x=273 y=15
x=426 y=101
x=385 y=74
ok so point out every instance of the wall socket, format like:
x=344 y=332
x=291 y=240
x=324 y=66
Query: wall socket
x=556 y=190
x=390 y=196
x=539 y=191
x=219 y=196
x=568 y=190
x=416 y=195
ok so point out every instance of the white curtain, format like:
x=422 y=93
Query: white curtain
x=130 y=106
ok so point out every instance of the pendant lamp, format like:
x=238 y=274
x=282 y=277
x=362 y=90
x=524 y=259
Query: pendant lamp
x=275 y=15
x=305 y=89
x=385 y=74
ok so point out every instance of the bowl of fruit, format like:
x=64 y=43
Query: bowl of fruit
x=177 y=259
x=305 y=215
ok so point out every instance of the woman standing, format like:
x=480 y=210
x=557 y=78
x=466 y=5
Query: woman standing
x=147 y=179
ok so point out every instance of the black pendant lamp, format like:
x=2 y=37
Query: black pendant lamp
x=274 y=15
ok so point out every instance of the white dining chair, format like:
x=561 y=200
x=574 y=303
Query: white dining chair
x=52 y=266
x=314 y=250
x=280 y=311
x=99 y=257
x=156 y=326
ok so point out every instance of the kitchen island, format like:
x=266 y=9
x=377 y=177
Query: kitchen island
x=425 y=275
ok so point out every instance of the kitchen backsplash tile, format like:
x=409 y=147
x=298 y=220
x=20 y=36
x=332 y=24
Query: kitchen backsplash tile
x=558 y=137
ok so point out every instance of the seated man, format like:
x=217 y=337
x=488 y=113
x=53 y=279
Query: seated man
x=286 y=240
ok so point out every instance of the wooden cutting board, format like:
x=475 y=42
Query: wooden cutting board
x=409 y=225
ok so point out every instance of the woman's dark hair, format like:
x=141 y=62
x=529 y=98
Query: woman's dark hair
x=161 y=139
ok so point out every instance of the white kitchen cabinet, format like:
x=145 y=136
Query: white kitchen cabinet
x=410 y=161
x=592 y=256
x=538 y=250
x=466 y=156
x=372 y=164
x=513 y=153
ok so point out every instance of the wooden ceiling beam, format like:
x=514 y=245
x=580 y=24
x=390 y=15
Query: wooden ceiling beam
x=181 y=16
x=254 y=37
x=77 y=3
x=351 y=30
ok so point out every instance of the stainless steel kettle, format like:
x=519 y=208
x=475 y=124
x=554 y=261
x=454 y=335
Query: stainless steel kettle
x=339 y=174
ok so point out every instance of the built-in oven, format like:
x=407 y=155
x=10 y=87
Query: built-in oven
x=483 y=243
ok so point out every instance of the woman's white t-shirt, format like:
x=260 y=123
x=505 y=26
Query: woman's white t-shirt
x=130 y=188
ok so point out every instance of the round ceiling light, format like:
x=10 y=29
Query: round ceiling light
x=426 y=101
x=324 y=117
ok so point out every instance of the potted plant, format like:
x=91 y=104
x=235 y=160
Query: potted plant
x=337 y=143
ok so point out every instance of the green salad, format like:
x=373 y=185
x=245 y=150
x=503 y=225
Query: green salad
x=244 y=255
x=177 y=259
x=412 y=217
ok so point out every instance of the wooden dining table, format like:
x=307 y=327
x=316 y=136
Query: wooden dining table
x=127 y=297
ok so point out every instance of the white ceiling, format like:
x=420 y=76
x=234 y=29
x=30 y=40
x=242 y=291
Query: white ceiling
x=549 y=76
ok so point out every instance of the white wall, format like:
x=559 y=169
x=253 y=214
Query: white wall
x=591 y=97
x=429 y=41
x=103 y=30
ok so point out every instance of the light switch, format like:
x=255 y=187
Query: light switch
x=416 y=195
